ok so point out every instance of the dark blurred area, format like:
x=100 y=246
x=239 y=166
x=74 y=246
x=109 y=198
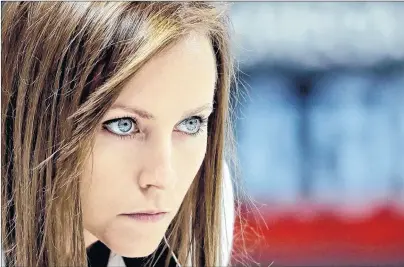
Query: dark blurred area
x=320 y=131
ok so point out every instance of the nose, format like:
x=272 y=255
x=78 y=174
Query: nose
x=157 y=170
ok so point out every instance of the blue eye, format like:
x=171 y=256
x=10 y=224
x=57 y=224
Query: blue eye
x=191 y=126
x=121 y=126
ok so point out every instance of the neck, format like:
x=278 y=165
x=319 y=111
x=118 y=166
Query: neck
x=89 y=238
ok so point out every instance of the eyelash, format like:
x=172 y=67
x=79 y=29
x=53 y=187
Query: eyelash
x=129 y=136
x=203 y=121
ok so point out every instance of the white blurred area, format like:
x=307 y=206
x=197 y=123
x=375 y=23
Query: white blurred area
x=323 y=116
x=318 y=34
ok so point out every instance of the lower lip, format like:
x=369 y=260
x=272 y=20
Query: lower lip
x=144 y=217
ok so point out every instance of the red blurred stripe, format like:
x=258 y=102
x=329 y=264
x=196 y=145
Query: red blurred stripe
x=326 y=237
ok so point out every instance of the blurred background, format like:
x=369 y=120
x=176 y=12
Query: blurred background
x=320 y=132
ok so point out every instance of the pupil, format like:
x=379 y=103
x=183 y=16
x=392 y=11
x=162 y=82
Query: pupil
x=124 y=125
x=192 y=123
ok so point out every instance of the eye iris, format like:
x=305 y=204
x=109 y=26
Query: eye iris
x=193 y=124
x=124 y=125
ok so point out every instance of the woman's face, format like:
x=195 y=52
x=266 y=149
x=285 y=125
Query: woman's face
x=149 y=148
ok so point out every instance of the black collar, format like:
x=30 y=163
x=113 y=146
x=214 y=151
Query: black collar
x=98 y=256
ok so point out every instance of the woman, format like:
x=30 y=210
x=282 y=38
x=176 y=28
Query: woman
x=115 y=120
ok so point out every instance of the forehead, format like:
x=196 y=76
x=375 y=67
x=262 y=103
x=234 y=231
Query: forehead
x=178 y=79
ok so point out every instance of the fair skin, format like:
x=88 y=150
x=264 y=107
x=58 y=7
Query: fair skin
x=149 y=164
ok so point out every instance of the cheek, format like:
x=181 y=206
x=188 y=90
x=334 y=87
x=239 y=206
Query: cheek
x=190 y=157
x=101 y=184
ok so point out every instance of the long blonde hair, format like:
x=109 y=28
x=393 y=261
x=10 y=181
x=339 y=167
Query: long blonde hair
x=64 y=64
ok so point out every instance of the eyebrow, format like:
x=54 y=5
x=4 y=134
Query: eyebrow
x=148 y=116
